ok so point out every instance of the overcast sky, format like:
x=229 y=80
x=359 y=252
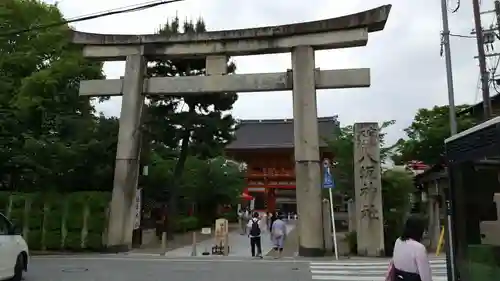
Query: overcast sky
x=407 y=70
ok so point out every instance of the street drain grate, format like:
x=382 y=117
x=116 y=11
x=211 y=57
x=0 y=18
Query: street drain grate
x=75 y=270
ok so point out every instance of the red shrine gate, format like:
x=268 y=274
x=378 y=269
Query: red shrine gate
x=266 y=146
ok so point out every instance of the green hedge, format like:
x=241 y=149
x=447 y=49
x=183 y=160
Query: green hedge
x=51 y=215
x=230 y=216
x=185 y=224
x=352 y=242
x=483 y=264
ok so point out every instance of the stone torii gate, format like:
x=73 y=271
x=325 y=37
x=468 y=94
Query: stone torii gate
x=300 y=39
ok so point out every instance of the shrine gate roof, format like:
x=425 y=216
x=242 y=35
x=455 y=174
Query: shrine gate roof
x=276 y=133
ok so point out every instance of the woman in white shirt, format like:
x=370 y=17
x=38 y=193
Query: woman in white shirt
x=410 y=256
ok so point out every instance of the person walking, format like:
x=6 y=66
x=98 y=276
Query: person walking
x=269 y=221
x=242 y=222
x=160 y=216
x=278 y=235
x=273 y=218
x=254 y=234
x=410 y=261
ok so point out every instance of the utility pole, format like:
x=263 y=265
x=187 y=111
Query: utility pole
x=453 y=129
x=449 y=69
x=485 y=79
x=497 y=14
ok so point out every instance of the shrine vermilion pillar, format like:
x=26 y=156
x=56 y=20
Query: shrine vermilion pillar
x=271 y=200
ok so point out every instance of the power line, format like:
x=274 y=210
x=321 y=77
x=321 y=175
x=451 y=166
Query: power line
x=462 y=36
x=122 y=10
x=457 y=7
x=116 y=9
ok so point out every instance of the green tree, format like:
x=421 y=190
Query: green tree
x=160 y=176
x=211 y=183
x=46 y=128
x=206 y=184
x=342 y=147
x=426 y=134
x=396 y=188
x=190 y=125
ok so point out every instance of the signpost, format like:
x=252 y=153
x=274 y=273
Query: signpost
x=206 y=231
x=137 y=231
x=329 y=184
x=138 y=209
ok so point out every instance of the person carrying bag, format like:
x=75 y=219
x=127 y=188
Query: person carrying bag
x=410 y=261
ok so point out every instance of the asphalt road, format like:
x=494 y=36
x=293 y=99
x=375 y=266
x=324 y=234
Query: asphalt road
x=133 y=268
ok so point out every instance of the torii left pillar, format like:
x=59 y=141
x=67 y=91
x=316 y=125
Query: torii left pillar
x=307 y=163
x=126 y=175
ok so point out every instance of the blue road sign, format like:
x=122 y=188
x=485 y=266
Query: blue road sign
x=328 y=179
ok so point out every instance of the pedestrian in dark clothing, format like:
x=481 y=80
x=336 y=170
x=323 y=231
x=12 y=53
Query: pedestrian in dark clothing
x=273 y=218
x=254 y=234
x=160 y=217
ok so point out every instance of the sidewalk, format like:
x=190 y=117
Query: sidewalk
x=239 y=246
x=291 y=243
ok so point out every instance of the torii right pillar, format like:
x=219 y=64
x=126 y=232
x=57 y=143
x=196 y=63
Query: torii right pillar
x=368 y=190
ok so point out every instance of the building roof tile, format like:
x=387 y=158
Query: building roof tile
x=276 y=133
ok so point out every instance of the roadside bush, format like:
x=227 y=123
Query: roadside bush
x=396 y=187
x=55 y=221
x=484 y=262
x=352 y=242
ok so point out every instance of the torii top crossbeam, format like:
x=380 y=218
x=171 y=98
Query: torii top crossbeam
x=347 y=31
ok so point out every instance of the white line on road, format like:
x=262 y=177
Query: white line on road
x=167 y=259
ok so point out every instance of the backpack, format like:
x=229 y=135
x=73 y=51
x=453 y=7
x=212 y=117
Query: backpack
x=255 y=230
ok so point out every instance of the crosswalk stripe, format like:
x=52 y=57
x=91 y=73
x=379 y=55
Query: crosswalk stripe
x=384 y=266
x=361 y=262
x=364 y=278
x=365 y=270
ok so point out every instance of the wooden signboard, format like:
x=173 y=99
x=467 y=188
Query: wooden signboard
x=221 y=246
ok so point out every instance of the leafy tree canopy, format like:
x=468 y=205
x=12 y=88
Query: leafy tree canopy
x=197 y=125
x=201 y=123
x=426 y=134
x=51 y=138
x=205 y=183
x=45 y=125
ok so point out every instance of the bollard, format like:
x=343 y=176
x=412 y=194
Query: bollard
x=164 y=243
x=226 y=245
x=440 y=242
x=240 y=225
x=193 y=250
